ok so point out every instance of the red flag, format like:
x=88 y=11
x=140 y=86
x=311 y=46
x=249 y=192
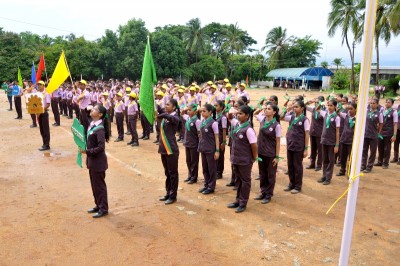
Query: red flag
x=41 y=67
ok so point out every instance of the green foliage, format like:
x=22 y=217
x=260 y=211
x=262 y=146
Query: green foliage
x=392 y=85
x=207 y=68
x=341 y=80
x=300 y=52
x=169 y=53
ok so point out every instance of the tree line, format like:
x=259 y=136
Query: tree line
x=184 y=52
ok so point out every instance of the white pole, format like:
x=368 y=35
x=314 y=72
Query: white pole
x=358 y=141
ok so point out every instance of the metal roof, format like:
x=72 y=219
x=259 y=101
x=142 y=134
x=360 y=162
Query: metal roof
x=309 y=73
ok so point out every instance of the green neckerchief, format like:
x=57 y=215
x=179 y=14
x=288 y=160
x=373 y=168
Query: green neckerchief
x=386 y=112
x=267 y=124
x=218 y=116
x=93 y=129
x=228 y=99
x=205 y=122
x=245 y=124
x=189 y=121
x=316 y=114
x=295 y=120
x=328 y=119
x=371 y=114
x=351 y=121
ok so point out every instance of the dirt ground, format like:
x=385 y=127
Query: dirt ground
x=43 y=219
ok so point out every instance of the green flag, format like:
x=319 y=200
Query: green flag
x=20 y=83
x=79 y=137
x=149 y=79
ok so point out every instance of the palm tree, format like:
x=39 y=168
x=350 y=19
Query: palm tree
x=382 y=30
x=345 y=15
x=275 y=43
x=393 y=14
x=195 y=38
x=337 y=62
x=234 y=39
x=324 y=64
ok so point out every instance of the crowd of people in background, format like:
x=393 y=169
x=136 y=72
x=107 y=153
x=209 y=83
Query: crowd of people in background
x=209 y=118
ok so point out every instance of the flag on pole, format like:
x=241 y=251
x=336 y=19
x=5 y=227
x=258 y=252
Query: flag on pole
x=20 y=83
x=60 y=74
x=146 y=94
x=33 y=74
x=41 y=67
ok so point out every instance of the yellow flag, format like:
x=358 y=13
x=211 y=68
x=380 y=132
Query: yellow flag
x=60 y=74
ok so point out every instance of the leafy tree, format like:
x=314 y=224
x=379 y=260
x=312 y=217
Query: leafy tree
x=217 y=34
x=11 y=46
x=175 y=30
x=300 y=52
x=393 y=14
x=234 y=37
x=207 y=68
x=345 y=14
x=168 y=54
x=108 y=54
x=131 y=46
x=324 y=64
x=341 y=79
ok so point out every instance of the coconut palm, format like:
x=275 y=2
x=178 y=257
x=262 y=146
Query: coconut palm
x=234 y=36
x=337 y=62
x=276 y=41
x=345 y=14
x=195 y=38
x=393 y=14
x=324 y=64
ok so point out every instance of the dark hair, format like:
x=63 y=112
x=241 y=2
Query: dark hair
x=275 y=98
x=299 y=98
x=302 y=105
x=245 y=109
x=375 y=100
x=276 y=110
x=334 y=102
x=210 y=108
x=175 y=103
x=354 y=105
x=321 y=98
x=390 y=99
x=240 y=102
x=346 y=98
x=340 y=95
x=104 y=117
x=221 y=104
x=193 y=105
x=244 y=99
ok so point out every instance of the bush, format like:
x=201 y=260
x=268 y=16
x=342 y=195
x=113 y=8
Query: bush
x=341 y=80
x=392 y=85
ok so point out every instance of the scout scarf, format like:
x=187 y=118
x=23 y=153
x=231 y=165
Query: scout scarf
x=328 y=119
x=90 y=132
x=164 y=139
x=371 y=114
x=189 y=121
x=205 y=122
x=351 y=121
x=267 y=124
x=386 y=112
x=295 y=121
x=245 y=124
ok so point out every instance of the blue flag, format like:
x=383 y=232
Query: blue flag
x=33 y=75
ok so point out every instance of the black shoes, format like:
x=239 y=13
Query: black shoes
x=56 y=124
x=44 y=148
x=130 y=142
x=240 y=209
x=310 y=167
x=326 y=182
x=18 y=117
x=192 y=181
x=100 y=214
x=230 y=184
x=219 y=176
x=146 y=138
x=340 y=174
x=135 y=144
x=118 y=140
x=288 y=188
x=142 y=137
x=169 y=201
x=378 y=164
x=265 y=201
x=207 y=191
x=317 y=169
x=93 y=210
x=32 y=126
x=367 y=170
x=186 y=180
x=202 y=189
x=321 y=180
x=260 y=197
x=233 y=205
x=166 y=197
x=127 y=133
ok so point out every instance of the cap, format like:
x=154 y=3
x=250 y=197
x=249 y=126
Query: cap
x=214 y=86
x=210 y=82
x=228 y=85
x=41 y=82
x=226 y=80
x=180 y=90
x=164 y=86
x=160 y=93
x=243 y=85
x=197 y=87
x=105 y=93
x=192 y=88
x=183 y=87
x=132 y=94
x=119 y=94
x=128 y=89
x=83 y=82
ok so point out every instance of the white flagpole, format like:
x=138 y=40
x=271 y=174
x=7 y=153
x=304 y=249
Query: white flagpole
x=358 y=141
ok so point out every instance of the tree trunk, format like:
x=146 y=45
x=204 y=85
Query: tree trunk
x=352 y=64
x=377 y=59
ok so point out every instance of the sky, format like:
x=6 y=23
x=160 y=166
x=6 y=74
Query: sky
x=91 y=18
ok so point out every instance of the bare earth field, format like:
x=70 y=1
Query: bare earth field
x=43 y=219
